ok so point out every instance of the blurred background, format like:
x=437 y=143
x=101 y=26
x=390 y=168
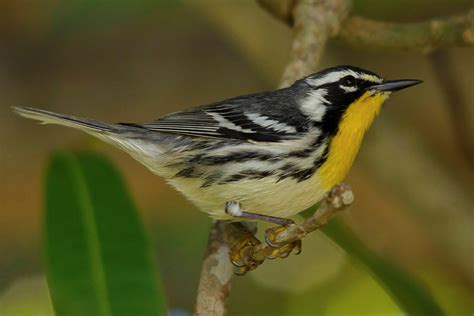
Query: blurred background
x=136 y=60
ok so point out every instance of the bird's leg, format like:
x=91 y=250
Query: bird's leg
x=336 y=200
x=234 y=209
x=249 y=252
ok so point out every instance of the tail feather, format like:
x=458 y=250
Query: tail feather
x=47 y=117
x=134 y=140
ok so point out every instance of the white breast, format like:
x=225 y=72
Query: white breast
x=265 y=196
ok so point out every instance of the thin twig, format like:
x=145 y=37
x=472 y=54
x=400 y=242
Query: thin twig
x=423 y=37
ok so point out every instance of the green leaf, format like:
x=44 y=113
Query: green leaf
x=412 y=296
x=98 y=256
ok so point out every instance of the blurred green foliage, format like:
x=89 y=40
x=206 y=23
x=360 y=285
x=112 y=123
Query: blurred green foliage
x=97 y=253
x=409 y=293
x=74 y=15
x=412 y=297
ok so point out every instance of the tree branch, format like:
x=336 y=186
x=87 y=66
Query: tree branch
x=314 y=23
x=423 y=37
x=216 y=273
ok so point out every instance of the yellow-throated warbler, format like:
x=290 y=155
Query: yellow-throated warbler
x=272 y=154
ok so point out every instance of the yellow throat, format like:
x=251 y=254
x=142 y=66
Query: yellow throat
x=345 y=144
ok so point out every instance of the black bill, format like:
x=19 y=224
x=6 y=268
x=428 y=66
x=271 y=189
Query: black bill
x=394 y=85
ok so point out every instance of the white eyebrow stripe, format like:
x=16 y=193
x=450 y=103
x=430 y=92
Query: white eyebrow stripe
x=314 y=105
x=331 y=77
x=266 y=122
x=223 y=122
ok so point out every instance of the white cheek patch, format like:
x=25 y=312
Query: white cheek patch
x=266 y=122
x=314 y=105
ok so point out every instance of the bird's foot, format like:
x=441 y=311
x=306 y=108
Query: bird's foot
x=280 y=241
x=282 y=249
x=247 y=253
x=241 y=252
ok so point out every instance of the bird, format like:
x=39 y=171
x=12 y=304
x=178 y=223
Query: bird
x=262 y=156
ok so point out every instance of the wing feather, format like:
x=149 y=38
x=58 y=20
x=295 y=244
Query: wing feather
x=246 y=118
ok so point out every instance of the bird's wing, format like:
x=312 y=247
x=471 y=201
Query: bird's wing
x=235 y=119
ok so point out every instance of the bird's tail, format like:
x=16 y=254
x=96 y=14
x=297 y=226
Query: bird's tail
x=131 y=138
x=46 y=117
x=126 y=137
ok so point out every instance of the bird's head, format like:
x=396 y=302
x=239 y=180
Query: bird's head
x=342 y=102
x=346 y=93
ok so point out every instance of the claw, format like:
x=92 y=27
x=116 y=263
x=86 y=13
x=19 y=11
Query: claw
x=270 y=235
x=235 y=262
x=241 y=270
x=280 y=250
x=273 y=254
x=285 y=250
x=241 y=254
x=298 y=247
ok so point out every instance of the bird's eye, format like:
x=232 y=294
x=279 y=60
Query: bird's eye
x=348 y=81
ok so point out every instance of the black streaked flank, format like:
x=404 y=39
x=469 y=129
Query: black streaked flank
x=186 y=172
x=211 y=179
x=192 y=165
x=249 y=174
x=232 y=157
